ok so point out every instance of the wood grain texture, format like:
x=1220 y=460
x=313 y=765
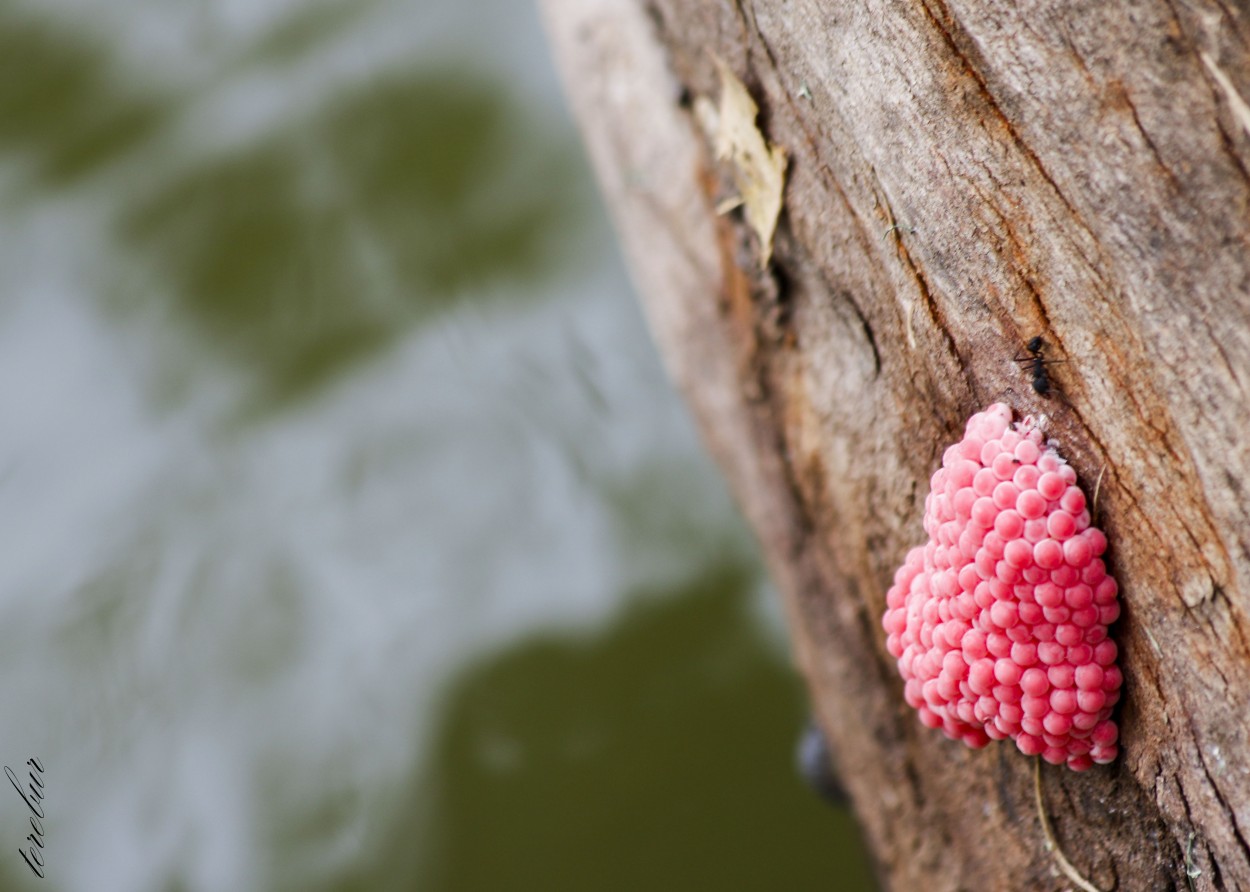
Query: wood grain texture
x=1078 y=171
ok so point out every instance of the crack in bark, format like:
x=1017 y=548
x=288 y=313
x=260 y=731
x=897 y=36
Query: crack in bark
x=826 y=175
x=1230 y=812
x=936 y=316
x=1019 y=142
x=742 y=19
x=1217 y=93
x=1018 y=257
x=1214 y=663
x=869 y=335
x=1122 y=93
x=1162 y=439
x=1143 y=516
x=1235 y=617
x=798 y=119
x=846 y=294
x=1147 y=671
x=1217 y=879
x=1228 y=365
x=1066 y=40
x=1226 y=139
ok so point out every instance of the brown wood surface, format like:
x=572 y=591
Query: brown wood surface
x=1074 y=170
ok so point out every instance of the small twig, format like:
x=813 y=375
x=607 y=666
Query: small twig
x=1093 y=514
x=1065 y=866
x=1153 y=641
x=1192 y=871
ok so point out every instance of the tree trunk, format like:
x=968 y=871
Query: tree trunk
x=962 y=176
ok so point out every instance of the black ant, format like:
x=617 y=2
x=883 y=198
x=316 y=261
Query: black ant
x=1037 y=365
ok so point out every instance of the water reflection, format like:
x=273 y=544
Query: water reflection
x=61 y=110
x=650 y=757
x=323 y=394
x=325 y=241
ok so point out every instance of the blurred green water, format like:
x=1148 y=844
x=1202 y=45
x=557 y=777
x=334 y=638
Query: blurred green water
x=58 y=109
x=650 y=757
x=326 y=240
x=394 y=564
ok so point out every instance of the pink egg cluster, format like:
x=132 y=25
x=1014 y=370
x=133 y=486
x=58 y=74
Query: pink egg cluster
x=999 y=623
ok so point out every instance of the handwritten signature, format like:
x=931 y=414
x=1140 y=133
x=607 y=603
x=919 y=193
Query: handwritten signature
x=33 y=855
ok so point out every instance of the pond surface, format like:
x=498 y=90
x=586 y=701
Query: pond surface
x=354 y=538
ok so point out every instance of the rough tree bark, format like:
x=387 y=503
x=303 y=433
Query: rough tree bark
x=964 y=175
